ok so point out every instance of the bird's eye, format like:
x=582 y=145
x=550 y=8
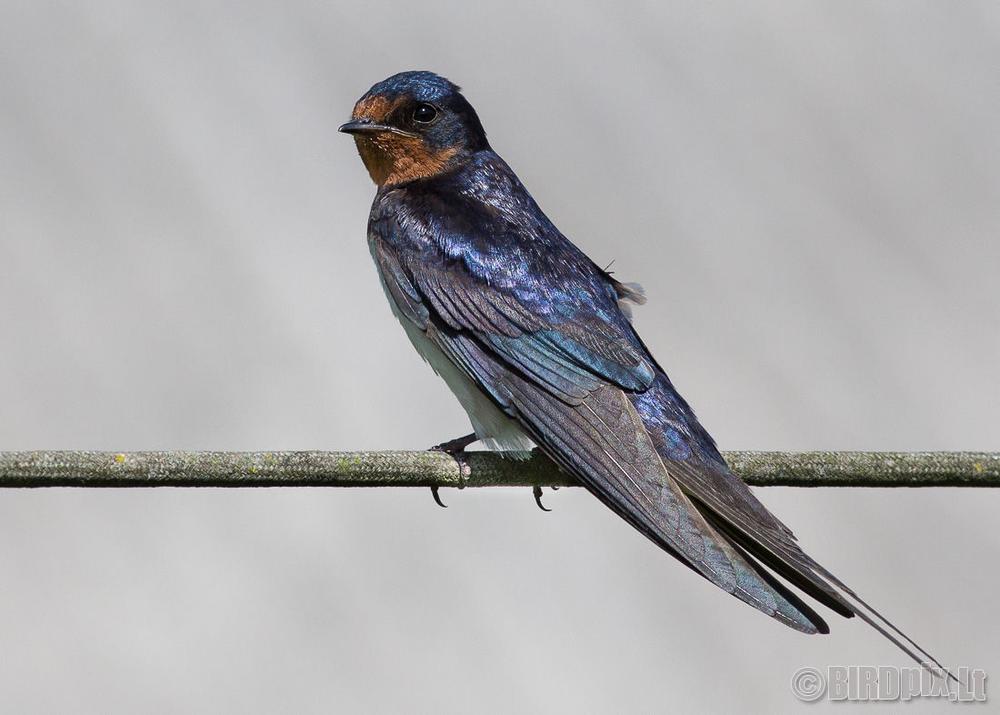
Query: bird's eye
x=424 y=113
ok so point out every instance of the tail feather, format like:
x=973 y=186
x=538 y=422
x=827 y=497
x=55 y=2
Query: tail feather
x=817 y=582
x=827 y=596
x=888 y=629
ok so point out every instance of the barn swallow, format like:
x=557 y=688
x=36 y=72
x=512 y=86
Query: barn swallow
x=537 y=343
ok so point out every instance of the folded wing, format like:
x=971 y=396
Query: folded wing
x=558 y=355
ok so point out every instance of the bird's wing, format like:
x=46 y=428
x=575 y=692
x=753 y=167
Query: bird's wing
x=565 y=374
x=538 y=327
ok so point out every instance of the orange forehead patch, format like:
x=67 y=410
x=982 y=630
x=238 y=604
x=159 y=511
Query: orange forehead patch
x=374 y=109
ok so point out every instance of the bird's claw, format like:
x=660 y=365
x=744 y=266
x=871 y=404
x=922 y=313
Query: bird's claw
x=537 y=491
x=455 y=448
x=437 y=497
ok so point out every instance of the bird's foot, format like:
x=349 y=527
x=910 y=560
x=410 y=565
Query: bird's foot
x=456 y=449
x=455 y=446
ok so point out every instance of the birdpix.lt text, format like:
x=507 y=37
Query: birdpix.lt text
x=880 y=683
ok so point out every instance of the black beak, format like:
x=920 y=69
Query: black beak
x=364 y=127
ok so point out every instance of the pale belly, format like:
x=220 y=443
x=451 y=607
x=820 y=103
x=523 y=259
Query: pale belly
x=494 y=428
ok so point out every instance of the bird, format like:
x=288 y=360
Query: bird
x=536 y=341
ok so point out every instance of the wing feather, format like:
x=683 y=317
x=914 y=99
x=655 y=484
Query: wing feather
x=602 y=440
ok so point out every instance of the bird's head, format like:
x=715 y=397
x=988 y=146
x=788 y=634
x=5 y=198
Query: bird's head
x=412 y=126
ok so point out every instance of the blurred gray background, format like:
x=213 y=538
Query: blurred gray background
x=810 y=193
